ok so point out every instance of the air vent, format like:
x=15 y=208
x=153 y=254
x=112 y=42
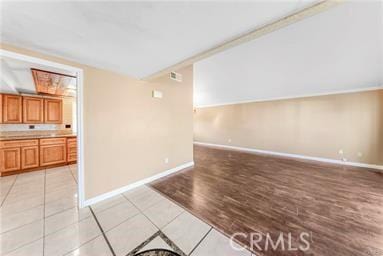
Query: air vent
x=176 y=76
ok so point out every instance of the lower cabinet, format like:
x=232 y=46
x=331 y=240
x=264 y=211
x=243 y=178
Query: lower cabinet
x=52 y=154
x=10 y=159
x=29 y=157
x=72 y=149
x=17 y=155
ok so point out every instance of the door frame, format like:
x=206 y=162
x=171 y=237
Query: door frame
x=80 y=99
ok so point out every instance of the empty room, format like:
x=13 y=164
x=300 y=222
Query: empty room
x=191 y=128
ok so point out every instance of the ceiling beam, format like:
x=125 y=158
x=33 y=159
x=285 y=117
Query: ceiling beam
x=258 y=32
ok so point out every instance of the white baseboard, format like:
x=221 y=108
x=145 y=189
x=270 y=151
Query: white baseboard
x=136 y=184
x=320 y=159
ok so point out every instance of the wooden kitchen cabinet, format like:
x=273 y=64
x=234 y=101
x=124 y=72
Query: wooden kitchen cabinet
x=33 y=110
x=19 y=154
x=10 y=159
x=28 y=154
x=53 y=111
x=72 y=149
x=29 y=157
x=12 y=109
x=53 y=151
x=1 y=108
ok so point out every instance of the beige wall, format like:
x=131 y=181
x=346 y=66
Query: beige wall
x=127 y=133
x=313 y=126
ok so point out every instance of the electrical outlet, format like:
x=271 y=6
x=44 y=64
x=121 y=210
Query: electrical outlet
x=340 y=152
x=229 y=140
x=360 y=154
x=166 y=160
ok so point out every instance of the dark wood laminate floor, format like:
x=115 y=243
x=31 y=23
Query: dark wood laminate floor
x=341 y=207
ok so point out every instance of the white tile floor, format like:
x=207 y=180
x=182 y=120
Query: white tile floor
x=39 y=216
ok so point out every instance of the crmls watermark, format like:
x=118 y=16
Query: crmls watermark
x=272 y=242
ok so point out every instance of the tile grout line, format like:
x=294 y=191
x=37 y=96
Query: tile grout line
x=171 y=244
x=161 y=234
x=143 y=244
x=142 y=212
x=45 y=183
x=73 y=175
x=203 y=238
x=9 y=191
x=102 y=232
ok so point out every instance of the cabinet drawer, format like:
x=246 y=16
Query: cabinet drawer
x=72 y=150
x=72 y=157
x=18 y=143
x=52 y=141
x=72 y=140
x=72 y=144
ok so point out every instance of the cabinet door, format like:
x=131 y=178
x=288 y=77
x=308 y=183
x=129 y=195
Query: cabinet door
x=52 y=154
x=53 y=111
x=10 y=159
x=29 y=157
x=12 y=109
x=1 y=108
x=33 y=110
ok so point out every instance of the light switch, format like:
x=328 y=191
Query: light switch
x=157 y=94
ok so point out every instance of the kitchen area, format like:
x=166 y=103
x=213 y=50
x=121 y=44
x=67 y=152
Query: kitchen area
x=37 y=117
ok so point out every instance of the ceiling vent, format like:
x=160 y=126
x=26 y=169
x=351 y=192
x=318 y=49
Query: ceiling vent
x=176 y=76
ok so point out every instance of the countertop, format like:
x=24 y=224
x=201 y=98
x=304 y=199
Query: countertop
x=26 y=136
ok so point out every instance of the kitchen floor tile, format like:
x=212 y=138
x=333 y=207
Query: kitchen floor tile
x=32 y=249
x=21 y=236
x=107 y=203
x=11 y=207
x=15 y=220
x=71 y=237
x=96 y=247
x=186 y=231
x=217 y=244
x=63 y=219
x=115 y=215
x=163 y=212
x=131 y=233
x=60 y=205
x=156 y=243
x=144 y=197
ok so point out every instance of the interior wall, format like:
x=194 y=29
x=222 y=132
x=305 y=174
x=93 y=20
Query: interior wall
x=313 y=126
x=127 y=133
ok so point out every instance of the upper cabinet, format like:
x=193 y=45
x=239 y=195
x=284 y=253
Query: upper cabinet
x=17 y=109
x=33 y=110
x=1 y=109
x=53 y=111
x=12 y=109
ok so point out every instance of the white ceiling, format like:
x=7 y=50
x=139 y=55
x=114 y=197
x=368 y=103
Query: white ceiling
x=337 y=50
x=16 y=75
x=134 y=38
